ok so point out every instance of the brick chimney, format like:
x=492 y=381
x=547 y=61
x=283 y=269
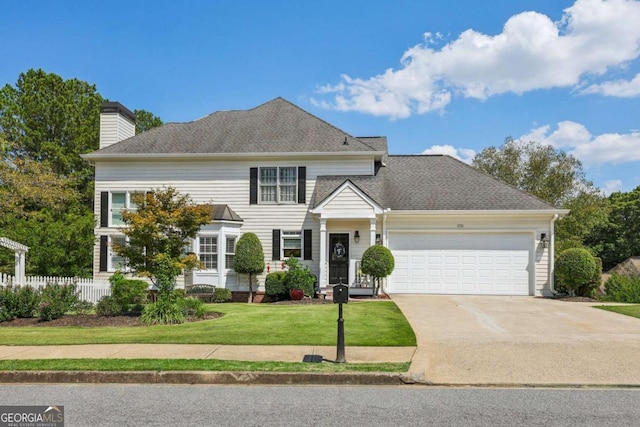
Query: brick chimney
x=117 y=123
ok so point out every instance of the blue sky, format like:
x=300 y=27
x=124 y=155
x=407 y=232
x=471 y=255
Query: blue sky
x=436 y=76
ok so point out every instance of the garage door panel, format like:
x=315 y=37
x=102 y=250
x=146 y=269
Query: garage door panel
x=461 y=263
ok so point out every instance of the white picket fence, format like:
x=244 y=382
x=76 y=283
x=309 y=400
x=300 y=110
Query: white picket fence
x=90 y=289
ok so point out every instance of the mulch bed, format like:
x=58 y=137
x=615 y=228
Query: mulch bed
x=93 y=321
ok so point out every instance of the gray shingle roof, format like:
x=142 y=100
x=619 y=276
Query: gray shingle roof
x=224 y=213
x=432 y=182
x=277 y=126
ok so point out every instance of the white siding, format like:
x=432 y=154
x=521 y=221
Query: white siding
x=115 y=128
x=226 y=182
x=348 y=201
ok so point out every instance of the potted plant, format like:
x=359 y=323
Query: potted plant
x=299 y=280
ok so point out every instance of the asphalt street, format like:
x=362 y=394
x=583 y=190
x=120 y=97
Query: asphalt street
x=158 y=405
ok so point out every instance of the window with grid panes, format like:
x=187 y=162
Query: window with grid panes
x=208 y=251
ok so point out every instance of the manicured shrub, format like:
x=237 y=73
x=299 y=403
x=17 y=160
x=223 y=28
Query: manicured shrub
x=26 y=302
x=298 y=276
x=275 y=285
x=127 y=292
x=622 y=289
x=192 y=306
x=221 y=295
x=7 y=304
x=377 y=262
x=108 y=306
x=57 y=300
x=18 y=301
x=576 y=269
x=249 y=258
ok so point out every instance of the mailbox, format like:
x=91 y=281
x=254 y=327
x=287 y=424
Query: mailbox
x=340 y=294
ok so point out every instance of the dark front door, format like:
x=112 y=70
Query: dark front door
x=338 y=258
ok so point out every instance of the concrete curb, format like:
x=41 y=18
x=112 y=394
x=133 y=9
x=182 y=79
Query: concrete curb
x=203 y=377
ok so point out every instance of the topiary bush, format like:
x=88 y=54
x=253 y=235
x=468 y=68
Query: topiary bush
x=298 y=276
x=622 y=289
x=249 y=258
x=7 y=304
x=221 y=295
x=57 y=300
x=576 y=269
x=275 y=285
x=377 y=262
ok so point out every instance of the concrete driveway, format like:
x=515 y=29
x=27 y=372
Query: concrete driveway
x=520 y=340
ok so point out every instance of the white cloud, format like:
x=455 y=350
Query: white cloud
x=464 y=154
x=532 y=52
x=612 y=186
x=619 y=88
x=591 y=149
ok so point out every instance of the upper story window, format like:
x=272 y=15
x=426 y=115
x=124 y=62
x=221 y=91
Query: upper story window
x=121 y=201
x=278 y=184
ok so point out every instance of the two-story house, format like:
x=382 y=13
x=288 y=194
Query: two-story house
x=313 y=191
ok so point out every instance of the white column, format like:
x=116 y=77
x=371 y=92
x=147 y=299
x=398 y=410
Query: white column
x=20 y=267
x=372 y=231
x=322 y=280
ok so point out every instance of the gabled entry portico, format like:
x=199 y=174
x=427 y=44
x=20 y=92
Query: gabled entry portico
x=349 y=223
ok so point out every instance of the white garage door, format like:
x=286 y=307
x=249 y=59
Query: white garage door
x=440 y=263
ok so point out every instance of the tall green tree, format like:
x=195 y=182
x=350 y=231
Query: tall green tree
x=146 y=120
x=555 y=177
x=618 y=238
x=48 y=119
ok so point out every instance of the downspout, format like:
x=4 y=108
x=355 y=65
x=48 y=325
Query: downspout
x=551 y=253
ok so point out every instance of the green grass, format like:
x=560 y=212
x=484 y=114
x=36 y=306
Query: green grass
x=377 y=323
x=193 y=365
x=628 y=310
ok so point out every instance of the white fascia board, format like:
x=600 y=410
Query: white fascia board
x=333 y=215
x=180 y=156
x=482 y=212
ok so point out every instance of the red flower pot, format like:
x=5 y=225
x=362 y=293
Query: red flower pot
x=296 y=294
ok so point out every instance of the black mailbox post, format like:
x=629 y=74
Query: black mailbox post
x=340 y=296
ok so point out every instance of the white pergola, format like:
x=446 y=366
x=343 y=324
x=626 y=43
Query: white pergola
x=20 y=251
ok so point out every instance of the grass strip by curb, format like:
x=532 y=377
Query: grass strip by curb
x=193 y=365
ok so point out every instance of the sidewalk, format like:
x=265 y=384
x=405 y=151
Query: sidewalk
x=206 y=351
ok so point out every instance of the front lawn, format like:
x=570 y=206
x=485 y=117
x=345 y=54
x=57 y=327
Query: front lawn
x=375 y=323
x=628 y=310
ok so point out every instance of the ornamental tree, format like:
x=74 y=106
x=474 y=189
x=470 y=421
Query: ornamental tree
x=157 y=233
x=249 y=258
x=377 y=262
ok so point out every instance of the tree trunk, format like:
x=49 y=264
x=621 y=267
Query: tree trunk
x=250 y=290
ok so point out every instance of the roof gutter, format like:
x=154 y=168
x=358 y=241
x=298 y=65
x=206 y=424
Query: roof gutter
x=97 y=156
x=551 y=253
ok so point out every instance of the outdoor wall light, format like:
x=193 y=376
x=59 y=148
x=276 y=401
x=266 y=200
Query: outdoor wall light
x=378 y=239
x=356 y=236
x=544 y=240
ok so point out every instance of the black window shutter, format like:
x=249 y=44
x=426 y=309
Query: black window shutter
x=104 y=249
x=302 y=184
x=104 y=209
x=275 y=245
x=253 y=186
x=307 y=244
